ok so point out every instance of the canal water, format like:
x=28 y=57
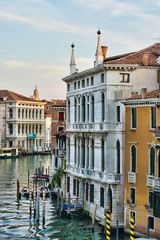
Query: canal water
x=15 y=222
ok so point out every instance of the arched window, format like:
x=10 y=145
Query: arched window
x=159 y=164
x=118 y=157
x=68 y=111
x=19 y=113
x=75 y=110
x=102 y=156
x=68 y=150
x=75 y=151
x=83 y=109
x=133 y=158
x=110 y=199
x=10 y=113
x=103 y=107
x=83 y=152
x=92 y=154
x=92 y=109
x=152 y=161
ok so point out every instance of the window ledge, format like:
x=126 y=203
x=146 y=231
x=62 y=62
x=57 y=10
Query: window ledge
x=133 y=129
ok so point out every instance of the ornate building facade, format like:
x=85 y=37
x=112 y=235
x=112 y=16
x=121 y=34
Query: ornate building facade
x=95 y=126
x=22 y=120
x=142 y=163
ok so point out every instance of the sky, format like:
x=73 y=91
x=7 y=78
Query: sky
x=36 y=38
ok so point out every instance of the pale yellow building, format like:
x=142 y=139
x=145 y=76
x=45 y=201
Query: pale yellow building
x=142 y=162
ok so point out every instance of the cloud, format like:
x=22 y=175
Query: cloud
x=37 y=14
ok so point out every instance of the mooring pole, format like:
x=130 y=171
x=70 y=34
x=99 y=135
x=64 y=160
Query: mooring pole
x=28 y=178
x=108 y=225
x=18 y=190
x=44 y=203
x=34 y=205
x=30 y=199
x=117 y=230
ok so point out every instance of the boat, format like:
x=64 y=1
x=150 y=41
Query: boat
x=25 y=192
x=9 y=152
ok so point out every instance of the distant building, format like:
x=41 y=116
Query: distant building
x=21 y=121
x=95 y=126
x=48 y=126
x=142 y=162
x=57 y=110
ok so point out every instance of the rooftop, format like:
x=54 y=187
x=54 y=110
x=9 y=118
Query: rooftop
x=13 y=96
x=150 y=53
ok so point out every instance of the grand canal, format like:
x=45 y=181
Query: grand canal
x=15 y=222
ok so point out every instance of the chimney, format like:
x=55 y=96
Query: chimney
x=133 y=94
x=145 y=58
x=144 y=92
x=104 y=51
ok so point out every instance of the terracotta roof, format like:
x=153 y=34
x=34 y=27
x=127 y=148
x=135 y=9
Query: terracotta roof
x=9 y=95
x=57 y=103
x=152 y=53
x=152 y=94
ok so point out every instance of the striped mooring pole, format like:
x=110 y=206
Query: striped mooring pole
x=132 y=221
x=108 y=225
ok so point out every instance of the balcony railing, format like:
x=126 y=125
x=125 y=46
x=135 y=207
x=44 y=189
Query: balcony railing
x=95 y=175
x=131 y=177
x=150 y=181
x=157 y=133
x=153 y=181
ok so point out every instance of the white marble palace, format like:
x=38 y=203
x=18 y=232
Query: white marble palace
x=21 y=121
x=95 y=125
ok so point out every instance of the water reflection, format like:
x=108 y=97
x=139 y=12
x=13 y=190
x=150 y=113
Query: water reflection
x=15 y=221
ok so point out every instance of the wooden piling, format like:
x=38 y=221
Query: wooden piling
x=18 y=190
x=43 y=213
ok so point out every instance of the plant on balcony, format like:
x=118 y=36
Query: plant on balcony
x=146 y=206
x=56 y=180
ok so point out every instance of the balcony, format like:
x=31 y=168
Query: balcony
x=109 y=178
x=131 y=177
x=153 y=182
x=157 y=133
x=150 y=181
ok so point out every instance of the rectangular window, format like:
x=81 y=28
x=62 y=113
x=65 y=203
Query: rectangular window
x=68 y=87
x=77 y=188
x=102 y=197
x=74 y=186
x=158 y=76
x=102 y=78
x=91 y=193
x=118 y=113
x=78 y=84
x=150 y=200
x=75 y=85
x=151 y=223
x=156 y=207
x=56 y=162
x=132 y=196
x=153 y=117
x=125 y=77
x=133 y=117
x=132 y=215
x=83 y=83
x=68 y=184
x=87 y=82
x=61 y=116
x=87 y=191
x=92 y=81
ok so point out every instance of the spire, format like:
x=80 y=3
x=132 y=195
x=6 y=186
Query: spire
x=99 y=54
x=72 y=62
x=36 y=93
